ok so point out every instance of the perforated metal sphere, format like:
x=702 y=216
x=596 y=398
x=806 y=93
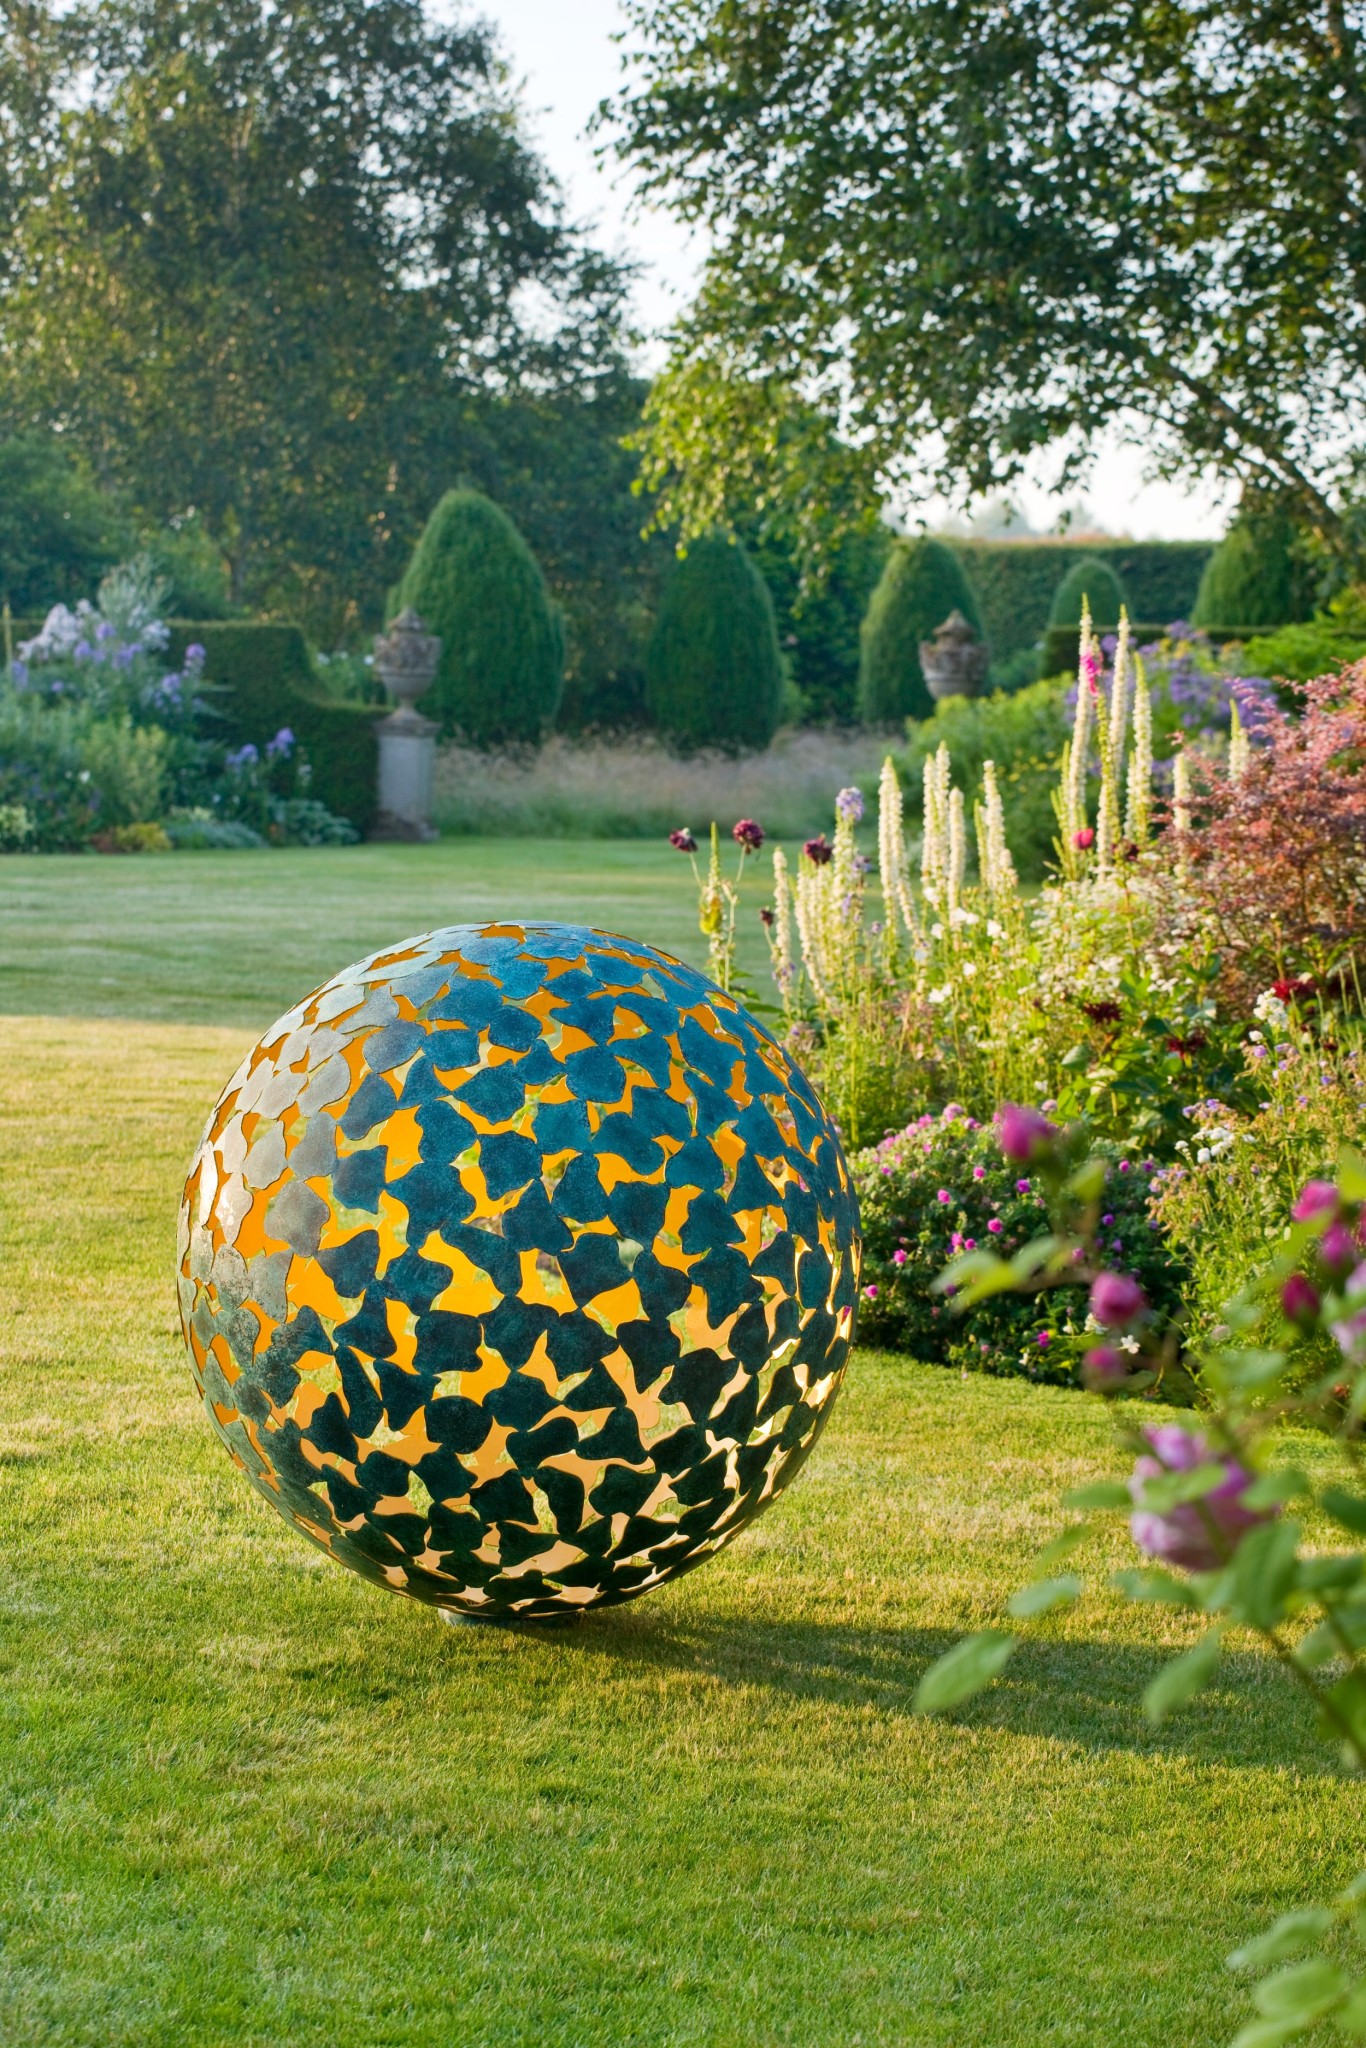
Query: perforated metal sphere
x=518 y=1267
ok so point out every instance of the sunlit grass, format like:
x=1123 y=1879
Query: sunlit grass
x=251 y=1800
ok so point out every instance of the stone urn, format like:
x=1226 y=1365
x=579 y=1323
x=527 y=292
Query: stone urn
x=406 y=660
x=954 y=663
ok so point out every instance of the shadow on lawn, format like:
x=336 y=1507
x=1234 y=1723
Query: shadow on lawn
x=1087 y=1693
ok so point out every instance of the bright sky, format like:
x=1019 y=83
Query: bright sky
x=563 y=54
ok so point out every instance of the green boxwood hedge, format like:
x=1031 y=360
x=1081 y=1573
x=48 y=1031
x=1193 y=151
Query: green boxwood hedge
x=263 y=680
x=1015 y=582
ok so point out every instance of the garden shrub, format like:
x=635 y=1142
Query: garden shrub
x=1253 y=577
x=101 y=738
x=1277 y=859
x=922 y=583
x=713 y=670
x=1014 y=582
x=476 y=583
x=128 y=765
x=1093 y=582
x=1224 y=1199
x=262 y=680
x=942 y=1186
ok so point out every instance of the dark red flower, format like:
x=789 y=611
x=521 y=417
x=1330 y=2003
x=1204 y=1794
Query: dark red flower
x=683 y=840
x=1102 y=1013
x=819 y=850
x=768 y=917
x=1184 y=1047
x=1291 y=991
x=748 y=833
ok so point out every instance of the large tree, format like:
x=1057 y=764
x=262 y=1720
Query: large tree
x=968 y=230
x=262 y=259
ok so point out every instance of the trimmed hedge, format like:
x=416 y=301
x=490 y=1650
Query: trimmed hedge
x=474 y=581
x=1015 y=581
x=922 y=583
x=1095 y=582
x=1253 y=578
x=713 y=672
x=263 y=680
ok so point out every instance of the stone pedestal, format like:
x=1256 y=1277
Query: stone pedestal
x=407 y=754
x=406 y=658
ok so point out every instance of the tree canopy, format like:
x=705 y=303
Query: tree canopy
x=262 y=260
x=963 y=232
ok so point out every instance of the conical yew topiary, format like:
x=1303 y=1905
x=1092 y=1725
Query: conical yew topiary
x=1093 y=579
x=474 y=580
x=922 y=583
x=713 y=672
x=1252 y=578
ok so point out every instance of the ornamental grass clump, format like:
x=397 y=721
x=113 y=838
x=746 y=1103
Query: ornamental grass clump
x=1241 y=1527
x=949 y=1184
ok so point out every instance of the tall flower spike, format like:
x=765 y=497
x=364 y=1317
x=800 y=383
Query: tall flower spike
x=1107 y=808
x=1075 y=797
x=1139 y=792
x=931 y=877
x=808 y=914
x=1239 y=747
x=958 y=852
x=1000 y=876
x=891 y=846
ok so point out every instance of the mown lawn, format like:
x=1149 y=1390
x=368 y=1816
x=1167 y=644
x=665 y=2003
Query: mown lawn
x=236 y=938
x=249 y=1800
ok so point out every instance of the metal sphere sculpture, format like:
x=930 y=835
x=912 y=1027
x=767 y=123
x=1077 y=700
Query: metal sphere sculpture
x=518 y=1268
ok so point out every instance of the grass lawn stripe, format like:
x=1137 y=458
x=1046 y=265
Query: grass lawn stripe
x=250 y=1800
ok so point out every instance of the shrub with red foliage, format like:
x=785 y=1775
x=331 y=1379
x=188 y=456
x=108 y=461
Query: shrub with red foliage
x=1277 y=860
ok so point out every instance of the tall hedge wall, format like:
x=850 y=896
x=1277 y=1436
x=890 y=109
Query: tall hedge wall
x=263 y=681
x=1015 y=581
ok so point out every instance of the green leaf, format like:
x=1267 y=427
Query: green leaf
x=1264 y=1571
x=973 y=1276
x=1288 y=1936
x=1154 y=1584
x=1329 y=1574
x=1351 y=1174
x=1347 y=1699
x=1271 y=1489
x=1268 y=2034
x=963 y=1671
x=1088 y=1182
x=1043 y=1595
x=1079 y=1056
x=1348 y=1510
x=1103 y=1493
x=1062 y=1546
x=1175 y=1489
x=1250 y=1369
x=1302 y=1992
x=1351 y=2016
x=1183 y=1678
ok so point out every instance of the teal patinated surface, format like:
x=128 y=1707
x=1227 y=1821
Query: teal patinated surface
x=518 y=1267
